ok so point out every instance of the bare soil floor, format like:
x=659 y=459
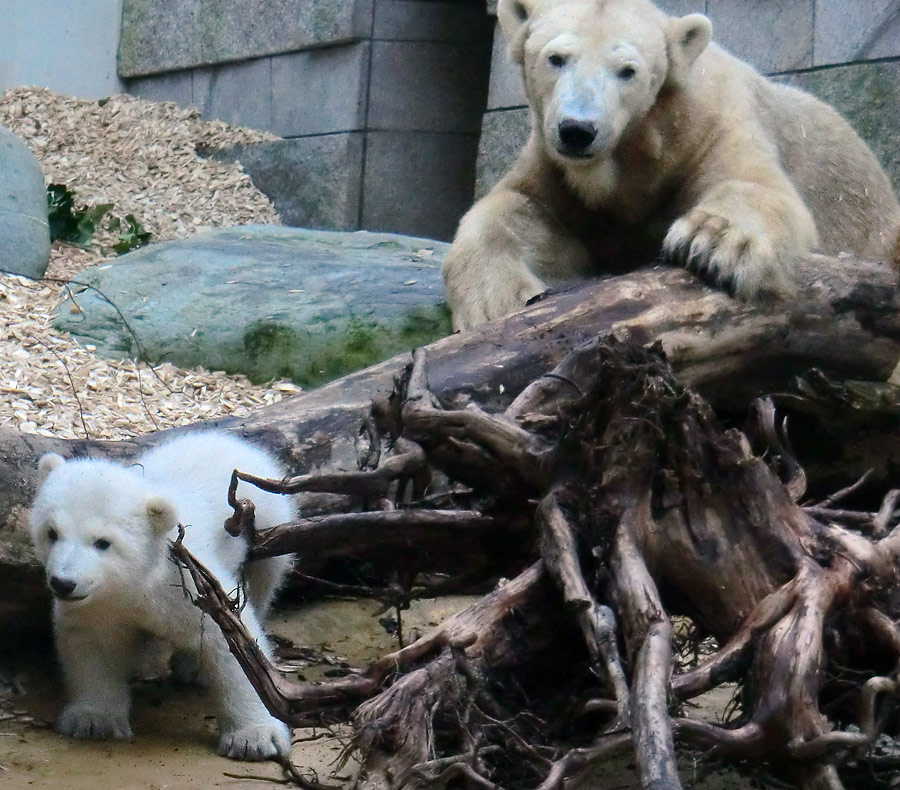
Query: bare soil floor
x=175 y=735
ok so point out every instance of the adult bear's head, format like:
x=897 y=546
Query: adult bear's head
x=594 y=68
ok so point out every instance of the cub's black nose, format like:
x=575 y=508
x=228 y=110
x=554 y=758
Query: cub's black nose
x=62 y=587
x=576 y=135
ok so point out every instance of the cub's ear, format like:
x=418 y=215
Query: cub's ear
x=47 y=464
x=686 y=38
x=514 y=16
x=161 y=514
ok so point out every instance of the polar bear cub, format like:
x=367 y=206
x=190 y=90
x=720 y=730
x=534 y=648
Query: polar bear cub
x=102 y=532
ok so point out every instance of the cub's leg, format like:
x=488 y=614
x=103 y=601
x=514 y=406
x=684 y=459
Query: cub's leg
x=264 y=577
x=505 y=246
x=97 y=665
x=247 y=731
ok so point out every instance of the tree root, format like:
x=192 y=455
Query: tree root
x=634 y=506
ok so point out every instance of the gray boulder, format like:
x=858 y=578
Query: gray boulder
x=266 y=301
x=24 y=230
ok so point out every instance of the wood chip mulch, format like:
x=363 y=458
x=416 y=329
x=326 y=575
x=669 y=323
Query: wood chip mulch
x=143 y=158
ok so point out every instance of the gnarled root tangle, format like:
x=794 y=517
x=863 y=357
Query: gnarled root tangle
x=645 y=514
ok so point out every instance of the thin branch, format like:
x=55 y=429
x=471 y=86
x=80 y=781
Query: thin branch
x=342 y=532
x=839 y=496
x=408 y=461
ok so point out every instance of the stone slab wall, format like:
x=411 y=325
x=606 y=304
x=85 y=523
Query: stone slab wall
x=64 y=45
x=847 y=52
x=380 y=102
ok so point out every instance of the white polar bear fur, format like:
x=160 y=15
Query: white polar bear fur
x=647 y=138
x=102 y=532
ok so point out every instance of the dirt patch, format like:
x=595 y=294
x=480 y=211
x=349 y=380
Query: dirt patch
x=175 y=737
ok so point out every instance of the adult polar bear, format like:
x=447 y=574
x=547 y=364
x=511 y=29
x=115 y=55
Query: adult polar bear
x=102 y=531
x=646 y=137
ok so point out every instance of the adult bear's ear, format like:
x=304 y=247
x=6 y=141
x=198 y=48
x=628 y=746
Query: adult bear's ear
x=161 y=514
x=47 y=464
x=514 y=16
x=686 y=38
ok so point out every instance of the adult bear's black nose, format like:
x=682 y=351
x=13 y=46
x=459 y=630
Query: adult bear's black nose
x=576 y=135
x=62 y=587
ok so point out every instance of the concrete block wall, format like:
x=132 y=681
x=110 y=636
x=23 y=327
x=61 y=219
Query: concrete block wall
x=379 y=102
x=847 y=52
x=69 y=47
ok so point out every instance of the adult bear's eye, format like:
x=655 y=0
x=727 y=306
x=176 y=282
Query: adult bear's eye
x=52 y=535
x=557 y=61
x=626 y=72
x=102 y=544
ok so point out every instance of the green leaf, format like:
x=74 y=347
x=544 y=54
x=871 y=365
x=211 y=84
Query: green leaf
x=76 y=226
x=134 y=235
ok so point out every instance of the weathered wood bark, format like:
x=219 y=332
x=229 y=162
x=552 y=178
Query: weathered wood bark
x=645 y=508
x=845 y=321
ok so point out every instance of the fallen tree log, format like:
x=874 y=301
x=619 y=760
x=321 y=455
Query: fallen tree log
x=844 y=321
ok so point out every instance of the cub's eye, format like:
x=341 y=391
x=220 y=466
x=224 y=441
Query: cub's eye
x=557 y=61
x=626 y=72
x=52 y=535
x=102 y=544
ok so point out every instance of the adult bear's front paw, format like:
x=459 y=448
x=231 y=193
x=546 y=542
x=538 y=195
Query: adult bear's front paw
x=257 y=742
x=78 y=721
x=504 y=290
x=737 y=254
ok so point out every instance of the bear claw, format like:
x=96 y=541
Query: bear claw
x=91 y=724
x=255 y=743
x=742 y=262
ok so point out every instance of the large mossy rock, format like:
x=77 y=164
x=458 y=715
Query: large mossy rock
x=24 y=230
x=266 y=301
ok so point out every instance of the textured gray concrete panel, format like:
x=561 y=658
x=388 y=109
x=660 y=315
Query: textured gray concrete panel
x=868 y=96
x=236 y=29
x=314 y=182
x=320 y=90
x=428 y=86
x=237 y=93
x=506 y=89
x=772 y=36
x=418 y=183
x=682 y=7
x=856 y=30
x=176 y=86
x=502 y=137
x=410 y=20
x=67 y=47
x=159 y=37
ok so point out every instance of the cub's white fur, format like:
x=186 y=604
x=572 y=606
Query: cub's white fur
x=102 y=532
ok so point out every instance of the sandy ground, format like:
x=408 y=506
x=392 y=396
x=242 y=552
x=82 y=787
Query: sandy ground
x=175 y=736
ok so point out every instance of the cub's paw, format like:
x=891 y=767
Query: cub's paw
x=257 y=742
x=77 y=721
x=738 y=255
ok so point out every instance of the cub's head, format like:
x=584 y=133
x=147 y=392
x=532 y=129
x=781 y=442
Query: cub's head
x=96 y=528
x=593 y=68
